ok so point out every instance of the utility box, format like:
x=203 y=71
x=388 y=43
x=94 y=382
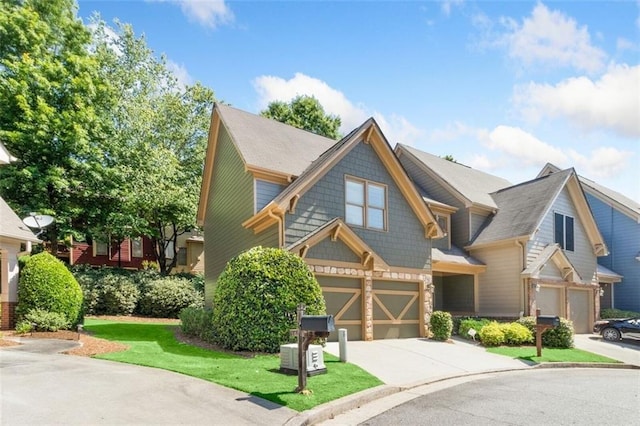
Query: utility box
x=289 y=359
x=321 y=323
x=549 y=320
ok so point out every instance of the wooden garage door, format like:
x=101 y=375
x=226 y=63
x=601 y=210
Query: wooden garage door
x=579 y=311
x=549 y=301
x=343 y=297
x=396 y=309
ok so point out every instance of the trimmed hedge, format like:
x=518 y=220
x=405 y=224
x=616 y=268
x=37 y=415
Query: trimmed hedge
x=441 y=325
x=196 y=322
x=256 y=296
x=166 y=297
x=45 y=283
x=617 y=313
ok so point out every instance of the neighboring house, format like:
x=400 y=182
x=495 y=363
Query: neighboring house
x=347 y=207
x=537 y=240
x=618 y=218
x=132 y=252
x=15 y=240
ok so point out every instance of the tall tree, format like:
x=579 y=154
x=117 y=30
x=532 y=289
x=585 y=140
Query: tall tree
x=156 y=154
x=51 y=102
x=305 y=112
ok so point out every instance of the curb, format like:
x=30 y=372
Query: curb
x=340 y=406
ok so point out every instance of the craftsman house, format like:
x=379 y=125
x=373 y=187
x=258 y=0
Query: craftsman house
x=618 y=218
x=15 y=240
x=526 y=246
x=347 y=207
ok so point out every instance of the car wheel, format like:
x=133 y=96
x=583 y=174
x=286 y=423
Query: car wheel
x=611 y=334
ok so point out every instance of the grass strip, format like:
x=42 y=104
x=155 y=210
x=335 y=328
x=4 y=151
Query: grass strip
x=529 y=353
x=154 y=345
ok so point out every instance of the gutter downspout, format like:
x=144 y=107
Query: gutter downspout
x=280 y=221
x=524 y=281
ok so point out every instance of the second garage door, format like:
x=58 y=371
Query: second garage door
x=396 y=309
x=579 y=311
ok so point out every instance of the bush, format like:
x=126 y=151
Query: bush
x=492 y=334
x=196 y=322
x=441 y=325
x=41 y=320
x=166 y=297
x=256 y=296
x=558 y=337
x=108 y=292
x=516 y=334
x=617 y=313
x=469 y=323
x=46 y=283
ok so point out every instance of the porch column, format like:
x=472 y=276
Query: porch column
x=427 y=306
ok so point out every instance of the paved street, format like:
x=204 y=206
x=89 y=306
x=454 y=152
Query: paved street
x=532 y=397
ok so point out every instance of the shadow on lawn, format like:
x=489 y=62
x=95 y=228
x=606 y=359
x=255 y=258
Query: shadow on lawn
x=161 y=334
x=270 y=401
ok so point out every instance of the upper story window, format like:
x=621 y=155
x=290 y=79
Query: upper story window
x=100 y=248
x=563 y=230
x=365 y=204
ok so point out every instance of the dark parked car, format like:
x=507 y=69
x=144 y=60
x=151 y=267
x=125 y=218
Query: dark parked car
x=616 y=329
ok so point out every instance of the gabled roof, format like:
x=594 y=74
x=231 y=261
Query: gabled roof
x=12 y=227
x=268 y=148
x=369 y=132
x=337 y=229
x=552 y=252
x=522 y=208
x=619 y=201
x=470 y=186
x=5 y=155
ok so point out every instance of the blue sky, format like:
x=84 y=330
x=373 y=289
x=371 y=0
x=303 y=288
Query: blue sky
x=503 y=86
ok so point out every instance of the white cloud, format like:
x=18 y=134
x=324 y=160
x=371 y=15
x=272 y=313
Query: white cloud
x=210 y=13
x=180 y=72
x=271 y=88
x=447 y=4
x=551 y=38
x=523 y=147
x=603 y=162
x=612 y=102
x=625 y=44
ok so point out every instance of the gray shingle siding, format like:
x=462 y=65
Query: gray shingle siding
x=402 y=245
x=460 y=219
x=333 y=250
x=230 y=203
x=265 y=192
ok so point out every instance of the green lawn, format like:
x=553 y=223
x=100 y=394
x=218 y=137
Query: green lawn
x=154 y=345
x=528 y=353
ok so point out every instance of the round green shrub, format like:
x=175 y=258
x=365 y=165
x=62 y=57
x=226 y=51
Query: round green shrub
x=256 y=296
x=516 y=334
x=107 y=291
x=492 y=334
x=46 y=283
x=166 y=297
x=441 y=325
x=41 y=320
x=558 y=337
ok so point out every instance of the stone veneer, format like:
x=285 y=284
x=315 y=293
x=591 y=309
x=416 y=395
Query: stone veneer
x=368 y=275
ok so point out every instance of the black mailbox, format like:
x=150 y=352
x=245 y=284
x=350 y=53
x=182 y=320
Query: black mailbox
x=319 y=323
x=550 y=320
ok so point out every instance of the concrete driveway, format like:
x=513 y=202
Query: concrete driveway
x=40 y=387
x=627 y=351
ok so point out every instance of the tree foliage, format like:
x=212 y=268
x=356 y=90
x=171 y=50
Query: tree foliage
x=305 y=112
x=158 y=145
x=52 y=105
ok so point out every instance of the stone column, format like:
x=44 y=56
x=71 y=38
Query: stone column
x=368 y=307
x=427 y=292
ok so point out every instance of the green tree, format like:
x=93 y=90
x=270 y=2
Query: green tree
x=52 y=99
x=156 y=153
x=304 y=112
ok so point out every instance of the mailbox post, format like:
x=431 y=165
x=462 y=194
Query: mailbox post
x=543 y=323
x=309 y=328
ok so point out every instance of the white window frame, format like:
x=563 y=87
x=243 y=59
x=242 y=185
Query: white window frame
x=132 y=244
x=366 y=205
x=95 y=248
